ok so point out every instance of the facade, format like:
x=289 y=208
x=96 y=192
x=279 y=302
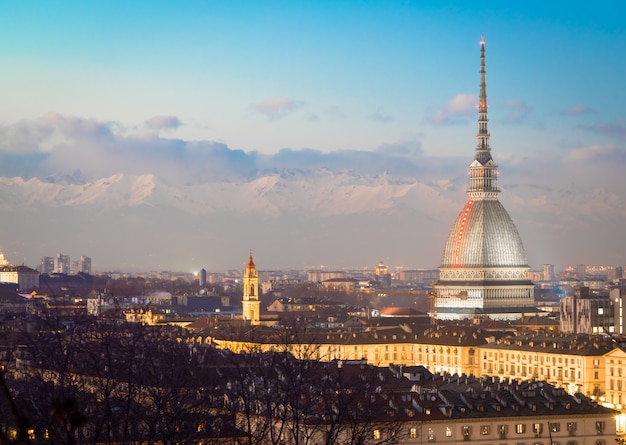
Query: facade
x=84 y=265
x=251 y=302
x=25 y=277
x=576 y=363
x=62 y=264
x=583 y=313
x=618 y=297
x=484 y=271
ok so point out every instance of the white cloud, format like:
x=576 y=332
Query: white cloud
x=277 y=107
x=163 y=122
x=456 y=110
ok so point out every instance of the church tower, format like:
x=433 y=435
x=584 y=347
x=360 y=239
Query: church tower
x=484 y=270
x=251 y=303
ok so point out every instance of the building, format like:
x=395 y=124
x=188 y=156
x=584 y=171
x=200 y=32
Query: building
x=62 y=264
x=618 y=297
x=548 y=272
x=84 y=265
x=484 y=271
x=382 y=275
x=583 y=313
x=318 y=276
x=25 y=277
x=251 y=302
x=46 y=266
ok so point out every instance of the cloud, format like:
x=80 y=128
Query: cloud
x=518 y=111
x=597 y=153
x=576 y=110
x=379 y=116
x=402 y=148
x=76 y=127
x=612 y=129
x=277 y=107
x=456 y=110
x=163 y=122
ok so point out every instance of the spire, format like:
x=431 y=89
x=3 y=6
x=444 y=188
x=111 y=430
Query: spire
x=483 y=171
x=482 y=148
x=250 y=261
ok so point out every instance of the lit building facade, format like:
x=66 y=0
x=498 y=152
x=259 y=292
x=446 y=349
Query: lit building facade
x=251 y=303
x=484 y=271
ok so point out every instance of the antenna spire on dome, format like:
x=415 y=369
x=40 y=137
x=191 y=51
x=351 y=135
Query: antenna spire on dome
x=483 y=171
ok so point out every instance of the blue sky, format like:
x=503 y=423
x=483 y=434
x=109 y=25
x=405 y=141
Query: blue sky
x=210 y=91
x=325 y=75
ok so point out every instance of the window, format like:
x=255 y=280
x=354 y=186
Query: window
x=484 y=430
x=377 y=435
x=520 y=428
x=537 y=428
x=599 y=427
x=571 y=428
x=431 y=435
x=448 y=432
x=555 y=427
x=502 y=431
x=596 y=363
x=413 y=433
x=466 y=432
x=595 y=375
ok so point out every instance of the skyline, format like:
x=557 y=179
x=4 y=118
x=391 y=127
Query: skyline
x=216 y=96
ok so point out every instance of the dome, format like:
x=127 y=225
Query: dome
x=483 y=235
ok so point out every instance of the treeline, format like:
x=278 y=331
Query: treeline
x=109 y=382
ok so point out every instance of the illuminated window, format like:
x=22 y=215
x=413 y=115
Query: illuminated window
x=431 y=435
x=520 y=428
x=537 y=428
x=413 y=433
x=377 y=435
x=571 y=428
x=484 y=430
x=555 y=427
x=466 y=432
x=448 y=432
x=502 y=431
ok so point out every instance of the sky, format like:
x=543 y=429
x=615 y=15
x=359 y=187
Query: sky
x=135 y=87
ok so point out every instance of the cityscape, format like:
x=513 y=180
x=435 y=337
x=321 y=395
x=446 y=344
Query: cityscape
x=380 y=288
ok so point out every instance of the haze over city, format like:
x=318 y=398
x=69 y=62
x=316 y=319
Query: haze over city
x=157 y=136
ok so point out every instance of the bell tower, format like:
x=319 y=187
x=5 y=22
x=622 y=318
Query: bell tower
x=251 y=303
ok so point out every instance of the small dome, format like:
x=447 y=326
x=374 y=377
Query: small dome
x=484 y=235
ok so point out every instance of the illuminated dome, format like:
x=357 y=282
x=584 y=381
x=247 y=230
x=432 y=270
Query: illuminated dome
x=484 y=235
x=484 y=271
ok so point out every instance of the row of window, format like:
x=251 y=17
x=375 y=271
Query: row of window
x=520 y=428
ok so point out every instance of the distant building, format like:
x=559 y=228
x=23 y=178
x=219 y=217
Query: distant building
x=581 y=271
x=382 y=275
x=84 y=265
x=251 y=303
x=548 y=272
x=418 y=276
x=618 y=297
x=202 y=278
x=25 y=277
x=583 y=313
x=318 y=276
x=62 y=264
x=46 y=265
